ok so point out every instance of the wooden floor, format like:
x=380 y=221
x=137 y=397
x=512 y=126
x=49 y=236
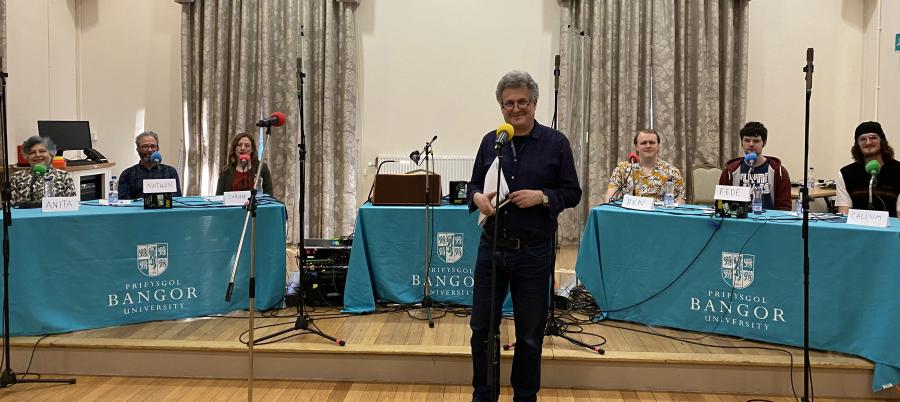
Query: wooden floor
x=172 y=389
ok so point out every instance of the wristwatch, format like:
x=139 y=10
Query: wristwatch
x=546 y=200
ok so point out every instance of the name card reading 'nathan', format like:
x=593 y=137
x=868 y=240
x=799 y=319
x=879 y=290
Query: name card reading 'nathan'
x=157 y=186
x=59 y=204
x=638 y=203
x=864 y=217
x=235 y=197
x=732 y=193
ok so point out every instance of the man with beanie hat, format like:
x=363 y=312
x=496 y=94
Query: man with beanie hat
x=852 y=182
x=767 y=171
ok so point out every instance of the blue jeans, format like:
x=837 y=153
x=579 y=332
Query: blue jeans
x=526 y=272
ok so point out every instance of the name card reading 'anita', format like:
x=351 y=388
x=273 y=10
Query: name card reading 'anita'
x=638 y=203
x=878 y=219
x=732 y=193
x=59 y=204
x=157 y=186
x=237 y=198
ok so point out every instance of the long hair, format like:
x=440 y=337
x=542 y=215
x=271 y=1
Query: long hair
x=232 y=155
x=887 y=153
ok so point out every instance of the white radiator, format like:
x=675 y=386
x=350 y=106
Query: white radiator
x=451 y=168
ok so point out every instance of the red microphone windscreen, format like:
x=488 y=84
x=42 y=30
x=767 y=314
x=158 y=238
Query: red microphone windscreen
x=244 y=158
x=281 y=118
x=633 y=157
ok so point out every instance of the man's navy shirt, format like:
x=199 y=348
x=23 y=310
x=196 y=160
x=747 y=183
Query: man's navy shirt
x=542 y=161
x=131 y=181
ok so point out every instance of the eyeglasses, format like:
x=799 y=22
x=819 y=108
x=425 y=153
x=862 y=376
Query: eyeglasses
x=149 y=146
x=521 y=103
x=868 y=138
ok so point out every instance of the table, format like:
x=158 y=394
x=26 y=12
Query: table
x=387 y=259
x=113 y=265
x=748 y=281
x=826 y=194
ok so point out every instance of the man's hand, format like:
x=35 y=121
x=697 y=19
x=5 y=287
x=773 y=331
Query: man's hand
x=527 y=198
x=483 y=202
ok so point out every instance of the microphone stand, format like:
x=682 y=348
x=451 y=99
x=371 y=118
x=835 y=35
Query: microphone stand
x=872 y=182
x=493 y=339
x=427 y=303
x=804 y=198
x=304 y=321
x=8 y=377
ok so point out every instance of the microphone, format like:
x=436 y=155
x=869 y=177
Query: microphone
x=809 y=68
x=873 y=168
x=276 y=119
x=556 y=73
x=633 y=157
x=156 y=157
x=244 y=159
x=414 y=156
x=505 y=132
x=40 y=169
x=751 y=158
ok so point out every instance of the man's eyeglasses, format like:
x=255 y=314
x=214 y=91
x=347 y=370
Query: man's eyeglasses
x=521 y=103
x=149 y=146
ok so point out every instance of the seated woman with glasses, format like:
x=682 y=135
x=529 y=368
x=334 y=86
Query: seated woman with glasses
x=243 y=163
x=29 y=187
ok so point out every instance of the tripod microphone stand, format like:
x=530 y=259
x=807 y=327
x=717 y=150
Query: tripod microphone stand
x=427 y=303
x=8 y=377
x=804 y=198
x=304 y=321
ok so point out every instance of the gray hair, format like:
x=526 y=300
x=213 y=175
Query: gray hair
x=517 y=79
x=34 y=140
x=137 y=140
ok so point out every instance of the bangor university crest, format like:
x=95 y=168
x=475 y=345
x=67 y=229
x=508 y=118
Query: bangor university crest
x=450 y=246
x=738 y=269
x=153 y=259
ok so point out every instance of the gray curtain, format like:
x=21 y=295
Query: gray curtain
x=240 y=62
x=696 y=54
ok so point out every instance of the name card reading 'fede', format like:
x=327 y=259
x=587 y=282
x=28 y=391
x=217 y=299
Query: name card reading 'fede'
x=732 y=193
x=235 y=197
x=638 y=203
x=59 y=204
x=865 y=217
x=157 y=186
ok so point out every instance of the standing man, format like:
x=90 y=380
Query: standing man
x=539 y=168
x=853 y=181
x=131 y=181
x=767 y=172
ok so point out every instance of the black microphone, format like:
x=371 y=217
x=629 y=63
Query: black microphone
x=556 y=73
x=276 y=119
x=414 y=156
x=809 y=68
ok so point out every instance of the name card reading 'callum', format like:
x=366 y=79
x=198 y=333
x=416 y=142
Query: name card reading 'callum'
x=157 y=186
x=638 y=203
x=235 y=197
x=59 y=204
x=732 y=193
x=878 y=219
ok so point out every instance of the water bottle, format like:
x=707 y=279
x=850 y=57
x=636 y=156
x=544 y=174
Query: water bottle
x=811 y=179
x=669 y=197
x=757 y=199
x=800 y=208
x=113 y=190
x=48 y=186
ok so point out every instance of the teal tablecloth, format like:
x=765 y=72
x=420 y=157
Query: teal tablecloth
x=638 y=267
x=104 y=266
x=387 y=261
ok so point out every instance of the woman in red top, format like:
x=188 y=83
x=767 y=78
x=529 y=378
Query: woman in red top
x=241 y=168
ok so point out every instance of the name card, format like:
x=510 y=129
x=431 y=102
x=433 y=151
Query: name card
x=156 y=186
x=638 y=203
x=237 y=198
x=59 y=204
x=865 y=217
x=732 y=193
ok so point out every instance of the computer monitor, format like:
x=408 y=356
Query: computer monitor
x=67 y=135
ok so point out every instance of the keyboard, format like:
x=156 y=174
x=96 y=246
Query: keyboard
x=79 y=162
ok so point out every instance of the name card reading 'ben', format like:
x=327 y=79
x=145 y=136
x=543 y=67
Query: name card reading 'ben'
x=235 y=197
x=864 y=217
x=157 y=186
x=732 y=193
x=59 y=204
x=638 y=203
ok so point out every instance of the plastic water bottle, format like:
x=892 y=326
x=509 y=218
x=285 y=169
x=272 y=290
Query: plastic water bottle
x=800 y=208
x=811 y=178
x=669 y=196
x=113 y=190
x=48 y=186
x=757 y=199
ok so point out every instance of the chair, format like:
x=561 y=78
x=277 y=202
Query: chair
x=704 y=179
